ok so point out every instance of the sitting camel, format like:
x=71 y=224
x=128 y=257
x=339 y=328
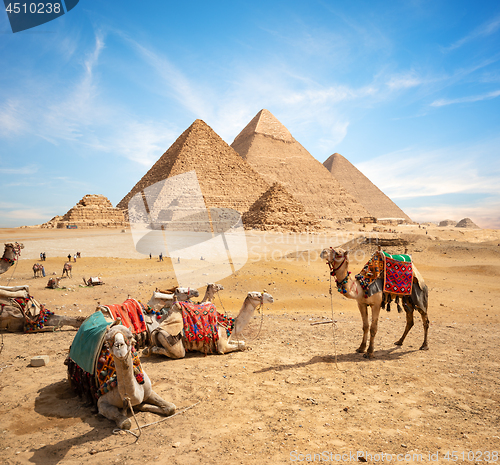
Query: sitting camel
x=67 y=270
x=10 y=255
x=20 y=312
x=351 y=288
x=173 y=337
x=53 y=283
x=161 y=301
x=38 y=270
x=128 y=391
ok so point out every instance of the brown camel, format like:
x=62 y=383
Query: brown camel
x=38 y=270
x=19 y=312
x=351 y=288
x=66 y=270
x=10 y=255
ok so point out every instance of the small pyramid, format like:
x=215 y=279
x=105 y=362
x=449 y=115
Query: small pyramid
x=276 y=209
x=226 y=181
x=362 y=189
x=467 y=223
x=92 y=211
x=272 y=151
x=447 y=223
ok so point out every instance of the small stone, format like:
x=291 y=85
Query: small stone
x=39 y=361
x=176 y=445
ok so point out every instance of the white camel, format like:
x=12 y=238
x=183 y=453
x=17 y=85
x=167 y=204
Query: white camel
x=14 y=319
x=351 y=288
x=161 y=301
x=10 y=255
x=128 y=392
x=169 y=339
x=212 y=289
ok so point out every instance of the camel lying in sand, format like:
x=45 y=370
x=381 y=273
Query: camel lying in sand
x=30 y=316
x=351 y=288
x=173 y=338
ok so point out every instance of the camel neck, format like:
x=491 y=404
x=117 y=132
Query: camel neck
x=125 y=377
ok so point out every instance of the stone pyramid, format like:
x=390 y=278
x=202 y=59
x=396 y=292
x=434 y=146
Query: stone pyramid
x=92 y=211
x=226 y=181
x=272 y=151
x=276 y=209
x=362 y=189
x=467 y=223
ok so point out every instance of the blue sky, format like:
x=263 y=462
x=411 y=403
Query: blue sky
x=408 y=91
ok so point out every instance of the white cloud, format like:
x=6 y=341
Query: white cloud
x=471 y=99
x=24 y=170
x=404 y=81
x=483 y=30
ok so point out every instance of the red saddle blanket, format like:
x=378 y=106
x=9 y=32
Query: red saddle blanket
x=201 y=324
x=130 y=312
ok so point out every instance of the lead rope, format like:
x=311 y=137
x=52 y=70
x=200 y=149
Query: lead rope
x=334 y=325
x=13 y=271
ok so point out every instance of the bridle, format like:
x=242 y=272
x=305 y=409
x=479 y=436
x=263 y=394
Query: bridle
x=331 y=264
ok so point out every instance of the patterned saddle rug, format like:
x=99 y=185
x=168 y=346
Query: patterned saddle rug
x=201 y=324
x=396 y=270
x=131 y=312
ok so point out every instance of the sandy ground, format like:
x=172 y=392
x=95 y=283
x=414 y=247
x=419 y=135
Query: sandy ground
x=302 y=393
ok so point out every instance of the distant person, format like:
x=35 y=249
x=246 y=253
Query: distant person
x=161 y=257
x=150 y=256
x=44 y=256
x=43 y=271
x=74 y=257
x=41 y=255
x=78 y=255
x=178 y=259
x=69 y=257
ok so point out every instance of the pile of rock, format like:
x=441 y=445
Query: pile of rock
x=447 y=223
x=277 y=210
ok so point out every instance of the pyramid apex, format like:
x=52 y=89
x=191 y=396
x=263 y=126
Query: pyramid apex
x=264 y=122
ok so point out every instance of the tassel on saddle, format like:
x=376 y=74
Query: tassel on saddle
x=387 y=300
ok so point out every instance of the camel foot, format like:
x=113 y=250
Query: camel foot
x=424 y=347
x=398 y=343
x=360 y=350
x=169 y=409
x=125 y=424
x=146 y=352
x=368 y=355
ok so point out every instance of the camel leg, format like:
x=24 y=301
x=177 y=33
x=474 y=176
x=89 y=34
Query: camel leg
x=111 y=412
x=373 y=330
x=409 y=325
x=363 y=309
x=176 y=350
x=224 y=346
x=155 y=404
x=425 y=322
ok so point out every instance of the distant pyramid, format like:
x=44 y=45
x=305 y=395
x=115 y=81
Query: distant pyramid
x=362 y=189
x=272 y=151
x=226 y=181
x=467 y=223
x=277 y=209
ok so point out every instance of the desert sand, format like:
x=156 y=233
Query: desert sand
x=301 y=393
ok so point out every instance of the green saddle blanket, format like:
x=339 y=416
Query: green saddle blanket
x=399 y=258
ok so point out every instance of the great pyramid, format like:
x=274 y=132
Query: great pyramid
x=225 y=180
x=276 y=209
x=272 y=151
x=362 y=189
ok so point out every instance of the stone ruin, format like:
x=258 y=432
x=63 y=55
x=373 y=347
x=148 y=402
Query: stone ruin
x=447 y=223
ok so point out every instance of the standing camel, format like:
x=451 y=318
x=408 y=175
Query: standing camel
x=10 y=255
x=171 y=338
x=38 y=270
x=351 y=288
x=67 y=270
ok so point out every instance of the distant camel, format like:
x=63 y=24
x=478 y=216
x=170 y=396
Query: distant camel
x=351 y=288
x=38 y=270
x=67 y=270
x=10 y=255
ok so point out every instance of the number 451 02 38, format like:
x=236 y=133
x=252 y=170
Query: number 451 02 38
x=33 y=8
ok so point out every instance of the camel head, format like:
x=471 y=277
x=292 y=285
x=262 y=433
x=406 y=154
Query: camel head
x=252 y=300
x=334 y=256
x=185 y=293
x=119 y=339
x=260 y=297
x=12 y=251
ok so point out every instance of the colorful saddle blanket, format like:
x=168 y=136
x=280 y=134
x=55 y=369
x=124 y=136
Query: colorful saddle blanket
x=106 y=372
x=131 y=314
x=397 y=271
x=201 y=324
